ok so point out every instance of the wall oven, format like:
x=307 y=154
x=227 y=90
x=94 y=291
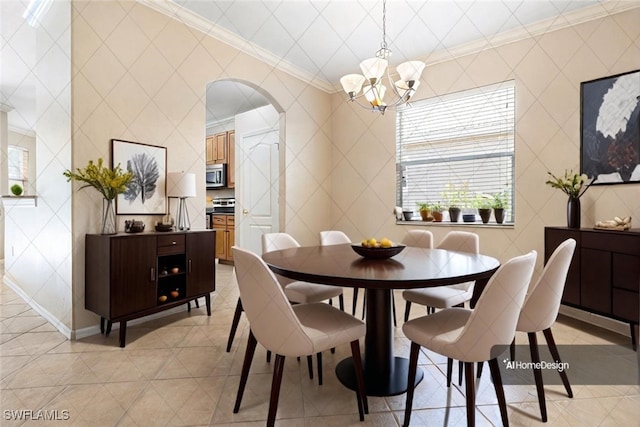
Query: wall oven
x=216 y=176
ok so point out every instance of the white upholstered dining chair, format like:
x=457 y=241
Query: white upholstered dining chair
x=445 y=296
x=337 y=237
x=539 y=313
x=418 y=239
x=290 y=330
x=474 y=335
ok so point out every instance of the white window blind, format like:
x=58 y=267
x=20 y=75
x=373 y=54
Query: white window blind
x=463 y=141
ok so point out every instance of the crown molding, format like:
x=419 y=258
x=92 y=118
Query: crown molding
x=600 y=10
x=6 y=108
x=172 y=10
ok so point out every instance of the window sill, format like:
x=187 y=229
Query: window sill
x=478 y=224
x=20 y=201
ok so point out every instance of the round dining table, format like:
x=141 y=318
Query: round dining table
x=339 y=265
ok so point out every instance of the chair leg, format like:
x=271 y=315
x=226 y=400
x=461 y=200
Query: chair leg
x=479 y=374
x=354 y=302
x=460 y=365
x=268 y=356
x=341 y=302
x=275 y=390
x=548 y=336
x=361 y=393
x=537 y=374
x=450 y=371
x=364 y=304
x=497 y=384
x=411 y=382
x=512 y=349
x=319 y=357
x=470 y=393
x=246 y=365
x=407 y=310
x=234 y=324
x=634 y=335
x=310 y=366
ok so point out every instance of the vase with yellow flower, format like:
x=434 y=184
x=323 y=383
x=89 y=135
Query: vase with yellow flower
x=109 y=182
x=573 y=185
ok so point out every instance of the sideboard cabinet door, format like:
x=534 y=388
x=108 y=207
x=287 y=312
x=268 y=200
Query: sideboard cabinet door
x=201 y=263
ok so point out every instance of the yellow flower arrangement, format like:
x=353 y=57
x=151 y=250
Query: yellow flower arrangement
x=109 y=182
x=572 y=184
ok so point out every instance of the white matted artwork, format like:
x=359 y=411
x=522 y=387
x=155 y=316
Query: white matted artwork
x=147 y=192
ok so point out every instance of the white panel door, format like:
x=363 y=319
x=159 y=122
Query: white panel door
x=259 y=212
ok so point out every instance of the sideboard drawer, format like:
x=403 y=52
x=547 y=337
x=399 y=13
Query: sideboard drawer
x=173 y=244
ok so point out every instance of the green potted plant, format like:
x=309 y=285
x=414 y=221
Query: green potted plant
x=456 y=198
x=499 y=204
x=482 y=202
x=16 y=189
x=436 y=211
x=425 y=210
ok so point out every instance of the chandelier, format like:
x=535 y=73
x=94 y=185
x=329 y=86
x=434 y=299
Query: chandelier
x=370 y=83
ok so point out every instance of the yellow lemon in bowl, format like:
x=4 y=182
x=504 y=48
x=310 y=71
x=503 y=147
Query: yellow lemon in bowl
x=385 y=243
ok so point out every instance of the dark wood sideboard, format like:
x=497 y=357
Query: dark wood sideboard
x=128 y=276
x=604 y=277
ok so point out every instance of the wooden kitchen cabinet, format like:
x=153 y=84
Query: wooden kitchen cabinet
x=604 y=277
x=128 y=276
x=224 y=225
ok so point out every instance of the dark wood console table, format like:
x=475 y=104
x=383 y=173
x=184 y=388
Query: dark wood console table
x=604 y=277
x=128 y=276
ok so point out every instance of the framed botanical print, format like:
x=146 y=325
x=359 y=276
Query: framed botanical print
x=147 y=192
x=610 y=129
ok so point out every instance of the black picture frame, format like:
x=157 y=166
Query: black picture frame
x=147 y=192
x=610 y=129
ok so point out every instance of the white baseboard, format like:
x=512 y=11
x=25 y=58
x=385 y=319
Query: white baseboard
x=84 y=332
x=61 y=327
x=597 y=320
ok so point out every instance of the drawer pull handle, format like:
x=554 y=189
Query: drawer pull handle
x=174 y=243
x=189 y=266
x=153 y=274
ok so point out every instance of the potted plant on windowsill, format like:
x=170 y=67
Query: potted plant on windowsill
x=425 y=211
x=483 y=204
x=456 y=198
x=436 y=211
x=499 y=204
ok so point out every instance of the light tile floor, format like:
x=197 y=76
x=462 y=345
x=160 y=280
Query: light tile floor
x=175 y=371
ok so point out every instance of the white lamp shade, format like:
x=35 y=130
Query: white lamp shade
x=404 y=90
x=352 y=83
x=373 y=68
x=181 y=184
x=410 y=70
x=375 y=94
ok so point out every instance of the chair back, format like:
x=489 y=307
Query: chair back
x=275 y=242
x=542 y=303
x=493 y=320
x=419 y=239
x=333 y=237
x=271 y=317
x=461 y=241
x=278 y=241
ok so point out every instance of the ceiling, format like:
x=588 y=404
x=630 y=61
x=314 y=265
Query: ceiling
x=315 y=40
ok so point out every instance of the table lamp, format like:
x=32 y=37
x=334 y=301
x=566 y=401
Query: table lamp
x=181 y=185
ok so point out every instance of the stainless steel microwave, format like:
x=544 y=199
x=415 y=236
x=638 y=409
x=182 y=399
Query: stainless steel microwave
x=216 y=176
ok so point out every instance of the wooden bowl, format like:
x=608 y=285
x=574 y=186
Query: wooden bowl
x=377 y=253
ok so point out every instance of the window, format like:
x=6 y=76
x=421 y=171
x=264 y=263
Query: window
x=18 y=166
x=459 y=143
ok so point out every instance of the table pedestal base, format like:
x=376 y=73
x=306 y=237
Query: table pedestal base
x=375 y=384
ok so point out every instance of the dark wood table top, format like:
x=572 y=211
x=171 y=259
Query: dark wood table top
x=412 y=268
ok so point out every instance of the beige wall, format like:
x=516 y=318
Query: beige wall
x=547 y=70
x=141 y=76
x=38 y=241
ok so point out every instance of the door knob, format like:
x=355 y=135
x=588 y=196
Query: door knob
x=244 y=211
